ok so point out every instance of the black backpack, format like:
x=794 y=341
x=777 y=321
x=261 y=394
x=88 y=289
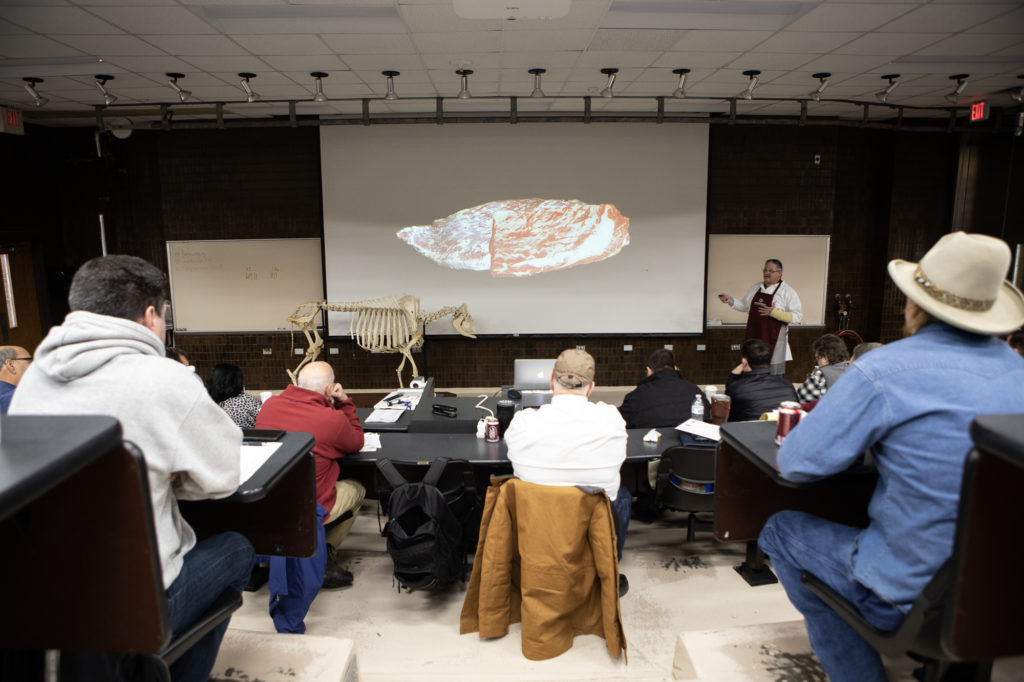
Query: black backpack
x=424 y=535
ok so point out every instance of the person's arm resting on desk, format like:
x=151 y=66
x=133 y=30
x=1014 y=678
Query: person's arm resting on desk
x=847 y=420
x=208 y=447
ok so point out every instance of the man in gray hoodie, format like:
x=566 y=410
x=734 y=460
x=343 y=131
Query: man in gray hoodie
x=108 y=358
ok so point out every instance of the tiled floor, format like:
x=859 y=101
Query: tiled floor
x=688 y=615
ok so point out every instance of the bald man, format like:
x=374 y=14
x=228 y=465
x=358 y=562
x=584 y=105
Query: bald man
x=14 y=360
x=319 y=405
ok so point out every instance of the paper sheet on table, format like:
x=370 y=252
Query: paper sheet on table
x=388 y=416
x=702 y=429
x=371 y=442
x=409 y=400
x=253 y=457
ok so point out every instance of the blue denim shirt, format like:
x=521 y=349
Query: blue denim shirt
x=911 y=402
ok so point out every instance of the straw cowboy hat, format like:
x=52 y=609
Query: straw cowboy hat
x=961 y=280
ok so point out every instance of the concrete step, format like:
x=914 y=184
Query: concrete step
x=272 y=657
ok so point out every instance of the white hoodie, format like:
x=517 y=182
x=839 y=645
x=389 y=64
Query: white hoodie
x=97 y=364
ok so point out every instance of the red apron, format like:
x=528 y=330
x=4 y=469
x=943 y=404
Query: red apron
x=760 y=326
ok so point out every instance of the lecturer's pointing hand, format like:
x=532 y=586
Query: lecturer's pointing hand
x=725 y=298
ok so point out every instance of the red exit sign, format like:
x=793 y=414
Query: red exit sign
x=979 y=111
x=10 y=121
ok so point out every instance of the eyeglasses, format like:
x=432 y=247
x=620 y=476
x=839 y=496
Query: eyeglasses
x=29 y=358
x=768 y=272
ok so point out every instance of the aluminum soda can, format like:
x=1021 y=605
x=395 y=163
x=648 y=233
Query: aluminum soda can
x=789 y=416
x=491 y=429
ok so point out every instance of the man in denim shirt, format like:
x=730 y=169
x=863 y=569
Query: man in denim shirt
x=911 y=403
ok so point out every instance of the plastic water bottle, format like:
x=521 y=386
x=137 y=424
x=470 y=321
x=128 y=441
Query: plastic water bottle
x=697 y=411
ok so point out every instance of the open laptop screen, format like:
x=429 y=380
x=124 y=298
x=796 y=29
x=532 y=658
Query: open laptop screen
x=533 y=375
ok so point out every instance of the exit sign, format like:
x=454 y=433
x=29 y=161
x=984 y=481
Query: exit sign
x=10 y=121
x=979 y=111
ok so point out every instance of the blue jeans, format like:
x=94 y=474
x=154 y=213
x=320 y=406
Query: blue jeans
x=621 y=508
x=797 y=542
x=212 y=566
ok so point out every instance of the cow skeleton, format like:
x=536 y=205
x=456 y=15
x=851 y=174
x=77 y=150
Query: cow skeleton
x=392 y=324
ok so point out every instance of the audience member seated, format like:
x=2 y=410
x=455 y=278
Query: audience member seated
x=177 y=354
x=663 y=398
x=108 y=358
x=14 y=360
x=1016 y=341
x=831 y=358
x=227 y=389
x=572 y=441
x=911 y=403
x=752 y=388
x=318 y=405
x=862 y=348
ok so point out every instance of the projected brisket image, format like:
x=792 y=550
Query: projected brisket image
x=522 y=237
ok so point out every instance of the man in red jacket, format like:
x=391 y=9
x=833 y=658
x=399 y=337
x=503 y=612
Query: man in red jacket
x=319 y=405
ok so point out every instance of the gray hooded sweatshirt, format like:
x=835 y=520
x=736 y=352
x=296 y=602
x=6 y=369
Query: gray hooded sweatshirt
x=97 y=364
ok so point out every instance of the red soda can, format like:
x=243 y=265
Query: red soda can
x=491 y=429
x=789 y=416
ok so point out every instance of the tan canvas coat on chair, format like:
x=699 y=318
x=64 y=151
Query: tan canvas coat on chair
x=546 y=557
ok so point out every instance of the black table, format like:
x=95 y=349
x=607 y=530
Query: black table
x=749 y=489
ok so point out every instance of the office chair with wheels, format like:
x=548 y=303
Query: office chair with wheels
x=686 y=482
x=971 y=611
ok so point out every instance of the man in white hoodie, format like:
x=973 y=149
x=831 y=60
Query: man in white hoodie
x=108 y=358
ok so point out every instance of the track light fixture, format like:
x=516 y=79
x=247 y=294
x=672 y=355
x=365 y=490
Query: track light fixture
x=824 y=78
x=318 y=83
x=390 y=95
x=1017 y=97
x=680 y=91
x=607 y=93
x=464 y=87
x=754 y=76
x=537 y=92
x=250 y=94
x=182 y=94
x=883 y=95
x=30 y=88
x=961 y=83
x=101 y=82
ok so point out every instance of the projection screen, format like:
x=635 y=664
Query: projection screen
x=538 y=228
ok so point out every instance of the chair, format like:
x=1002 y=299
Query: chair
x=116 y=604
x=971 y=610
x=686 y=482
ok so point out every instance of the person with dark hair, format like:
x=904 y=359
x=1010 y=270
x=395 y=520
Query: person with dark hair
x=107 y=357
x=1016 y=341
x=752 y=388
x=227 y=389
x=831 y=360
x=177 y=354
x=663 y=397
x=911 y=403
x=771 y=307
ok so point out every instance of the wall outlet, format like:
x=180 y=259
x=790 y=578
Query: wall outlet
x=701 y=346
x=581 y=347
x=268 y=351
x=627 y=348
x=668 y=346
x=734 y=346
x=333 y=351
x=299 y=351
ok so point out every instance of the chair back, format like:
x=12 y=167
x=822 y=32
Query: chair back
x=983 y=619
x=689 y=483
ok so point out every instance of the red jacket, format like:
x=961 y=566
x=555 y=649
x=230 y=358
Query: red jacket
x=336 y=429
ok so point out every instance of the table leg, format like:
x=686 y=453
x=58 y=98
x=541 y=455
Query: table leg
x=753 y=568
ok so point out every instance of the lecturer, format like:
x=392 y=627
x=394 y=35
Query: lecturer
x=771 y=307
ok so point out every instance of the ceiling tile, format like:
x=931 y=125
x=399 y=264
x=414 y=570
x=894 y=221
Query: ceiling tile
x=944 y=18
x=307 y=63
x=57 y=20
x=34 y=46
x=483 y=41
x=848 y=17
x=283 y=44
x=890 y=43
x=109 y=46
x=379 y=62
x=196 y=45
x=599 y=60
x=721 y=41
x=970 y=44
x=403 y=79
x=620 y=39
x=544 y=60
x=807 y=42
x=838 y=63
x=695 y=60
x=1011 y=22
x=155 y=20
x=7 y=28
x=475 y=61
x=211 y=63
x=770 y=61
x=351 y=43
x=546 y=41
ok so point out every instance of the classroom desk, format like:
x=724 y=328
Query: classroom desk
x=749 y=489
x=275 y=508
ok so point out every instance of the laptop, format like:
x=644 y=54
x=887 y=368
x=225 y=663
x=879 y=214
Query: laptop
x=533 y=375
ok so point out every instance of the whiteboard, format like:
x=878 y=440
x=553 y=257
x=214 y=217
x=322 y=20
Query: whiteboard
x=242 y=284
x=735 y=262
